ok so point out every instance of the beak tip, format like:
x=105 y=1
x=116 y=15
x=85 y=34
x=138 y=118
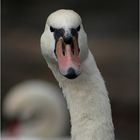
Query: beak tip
x=72 y=74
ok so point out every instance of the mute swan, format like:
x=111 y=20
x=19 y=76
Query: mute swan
x=40 y=108
x=64 y=47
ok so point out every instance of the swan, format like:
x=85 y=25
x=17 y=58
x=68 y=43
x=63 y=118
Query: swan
x=39 y=108
x=65 y=49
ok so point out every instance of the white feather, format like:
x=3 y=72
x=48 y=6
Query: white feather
x=40 y=107
x=86 y=96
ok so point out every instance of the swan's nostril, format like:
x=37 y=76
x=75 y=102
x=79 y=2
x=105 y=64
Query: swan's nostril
x=71 y=74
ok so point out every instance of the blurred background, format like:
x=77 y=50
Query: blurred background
x=112 y=28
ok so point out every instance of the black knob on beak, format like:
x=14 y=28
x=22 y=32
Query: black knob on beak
x=67 y=39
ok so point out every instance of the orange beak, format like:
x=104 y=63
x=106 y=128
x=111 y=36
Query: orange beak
x=68 y=58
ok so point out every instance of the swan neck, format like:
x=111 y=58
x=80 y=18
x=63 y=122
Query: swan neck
x=88 y=102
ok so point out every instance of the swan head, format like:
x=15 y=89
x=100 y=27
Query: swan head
x=64 y=42
x=35 y=103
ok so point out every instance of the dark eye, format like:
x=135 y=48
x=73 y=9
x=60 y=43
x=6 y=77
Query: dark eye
x=78 y=28
x=52 y=29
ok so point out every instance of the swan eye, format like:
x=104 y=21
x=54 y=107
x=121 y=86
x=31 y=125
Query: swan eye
x=78 y=28
x=52 y=29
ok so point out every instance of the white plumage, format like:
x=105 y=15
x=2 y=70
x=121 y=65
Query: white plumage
x=86 y=95
x=40 y=108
